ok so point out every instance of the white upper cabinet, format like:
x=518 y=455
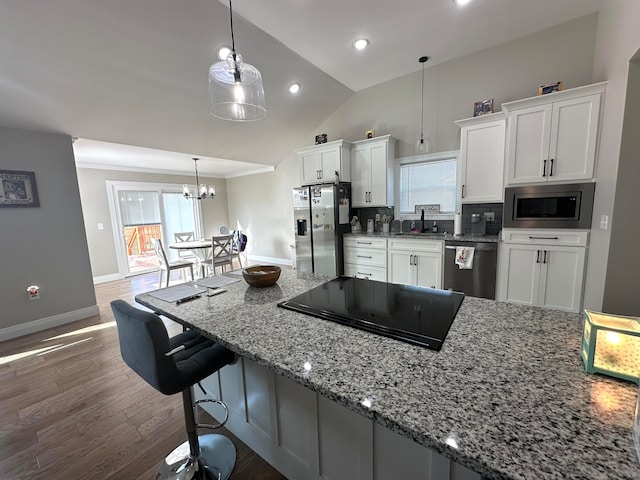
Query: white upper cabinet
x=481 y=165
x=553 y=138
x=319 y=163
x=372 y=172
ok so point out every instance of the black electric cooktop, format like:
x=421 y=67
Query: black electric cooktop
x=416 y=315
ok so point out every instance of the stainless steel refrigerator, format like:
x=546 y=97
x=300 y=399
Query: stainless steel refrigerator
x=321 y=215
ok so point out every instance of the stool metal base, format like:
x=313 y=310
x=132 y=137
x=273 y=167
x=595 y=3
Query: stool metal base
x=217 y=459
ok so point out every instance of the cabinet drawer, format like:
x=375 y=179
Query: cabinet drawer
x=365 y=256
x=365 y=242
x=366 y=272
x=435 y=246
x=575 y=238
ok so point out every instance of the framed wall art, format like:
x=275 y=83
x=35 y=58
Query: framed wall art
x=549 y=88
x=483 y=107
x=18 y=189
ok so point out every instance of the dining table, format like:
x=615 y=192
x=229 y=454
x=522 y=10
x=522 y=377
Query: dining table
x=200 y=248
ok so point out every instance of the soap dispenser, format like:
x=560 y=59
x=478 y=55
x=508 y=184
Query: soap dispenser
x=434 y=227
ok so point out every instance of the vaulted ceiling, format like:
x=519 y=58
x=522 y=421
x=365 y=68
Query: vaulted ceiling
x=134 y=72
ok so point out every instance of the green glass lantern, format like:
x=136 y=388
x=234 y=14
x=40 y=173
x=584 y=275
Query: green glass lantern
x=611 y=345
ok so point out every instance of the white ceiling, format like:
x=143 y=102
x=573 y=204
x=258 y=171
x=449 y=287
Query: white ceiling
x=134 y=72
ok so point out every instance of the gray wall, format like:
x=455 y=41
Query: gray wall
x=45 y=245
x=618 y=39
x=623 y=268
x=95 y=206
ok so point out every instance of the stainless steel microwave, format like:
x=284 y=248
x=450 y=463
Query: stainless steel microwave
x=549 y=206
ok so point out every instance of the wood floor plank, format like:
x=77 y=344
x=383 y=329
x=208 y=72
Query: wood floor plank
x=71 y=409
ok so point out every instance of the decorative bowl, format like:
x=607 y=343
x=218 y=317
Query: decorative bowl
x=261 y=275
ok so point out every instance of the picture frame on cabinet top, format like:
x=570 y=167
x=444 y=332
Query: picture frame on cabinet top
x=322 y=138
x=550 y=88
x=483 y=107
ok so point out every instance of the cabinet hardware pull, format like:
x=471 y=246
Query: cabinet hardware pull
x=363 y=243
x=320 y=174
x=551 y=169
x=537 y=256
x=462 y=191
x=363 y=256
x=543 y=238
x=415 y=260
x=410 y=259
x=368 y=274
x=544 y=260
x=544 y=168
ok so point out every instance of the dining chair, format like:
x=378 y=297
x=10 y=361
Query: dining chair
x=222 y=252
x=167 y=266
x=185 y=237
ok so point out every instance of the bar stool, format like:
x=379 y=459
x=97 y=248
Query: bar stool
x=172 y=365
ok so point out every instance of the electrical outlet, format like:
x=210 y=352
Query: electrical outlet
x=489 y=216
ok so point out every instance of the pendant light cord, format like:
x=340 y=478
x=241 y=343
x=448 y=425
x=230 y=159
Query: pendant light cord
x=233 y=43
x=422 y=60
x=422 y=109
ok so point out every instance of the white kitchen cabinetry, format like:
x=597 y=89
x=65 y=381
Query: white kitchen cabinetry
x=415 y=262
x=554 y=137
x=365 y=258
x=372 y=172
x=319 y=163
x=481 y=165
x=308 y=437
x=543 y=268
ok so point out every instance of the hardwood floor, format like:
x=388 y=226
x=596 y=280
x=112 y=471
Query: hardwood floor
x=71 y=409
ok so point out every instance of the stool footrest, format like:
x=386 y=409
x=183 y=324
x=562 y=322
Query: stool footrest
x=214 y=426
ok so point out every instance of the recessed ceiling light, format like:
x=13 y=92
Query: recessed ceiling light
x=223 y=53
x=361 y=43
x=461 y=3
x=294 y=88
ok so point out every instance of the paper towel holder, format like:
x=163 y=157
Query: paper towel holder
x=457 y=225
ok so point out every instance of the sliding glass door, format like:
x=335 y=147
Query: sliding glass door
x=142 y=212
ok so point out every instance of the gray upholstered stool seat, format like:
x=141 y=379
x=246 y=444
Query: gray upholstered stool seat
x=172 y=365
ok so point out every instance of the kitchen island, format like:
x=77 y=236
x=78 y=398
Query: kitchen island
x=506 y=397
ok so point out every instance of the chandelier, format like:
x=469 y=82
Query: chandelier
x=235 y=88
x=202 y=191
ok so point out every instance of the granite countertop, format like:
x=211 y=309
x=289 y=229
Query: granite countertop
x=507 y=396
x=431 y=236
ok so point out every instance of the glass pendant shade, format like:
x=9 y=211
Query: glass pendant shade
x=235 y=90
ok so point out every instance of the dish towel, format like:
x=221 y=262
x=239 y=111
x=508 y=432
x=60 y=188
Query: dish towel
x=464 y=257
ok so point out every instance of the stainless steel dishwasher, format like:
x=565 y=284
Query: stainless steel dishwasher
x=480 y=280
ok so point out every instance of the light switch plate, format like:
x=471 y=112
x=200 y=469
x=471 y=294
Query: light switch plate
x=604 y=222
x=489 y=216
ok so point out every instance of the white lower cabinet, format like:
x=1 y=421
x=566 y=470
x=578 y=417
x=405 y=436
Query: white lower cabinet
x=415 y=262
x=543 y=268
x=365 y=258
x=307 y=436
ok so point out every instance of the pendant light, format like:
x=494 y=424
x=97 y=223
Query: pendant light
x=235 y=88
x=423 y=145
x=201 y=191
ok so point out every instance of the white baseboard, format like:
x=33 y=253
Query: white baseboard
x=106 y=278
x=272 y=260
x=47 y=322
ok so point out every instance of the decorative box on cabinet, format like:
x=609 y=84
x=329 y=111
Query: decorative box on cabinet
x=553 y=137
x=415 y=262
x=365 y=258
x=319 y=163
x=481 y=165
x=543 y=268
x=372 y=172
